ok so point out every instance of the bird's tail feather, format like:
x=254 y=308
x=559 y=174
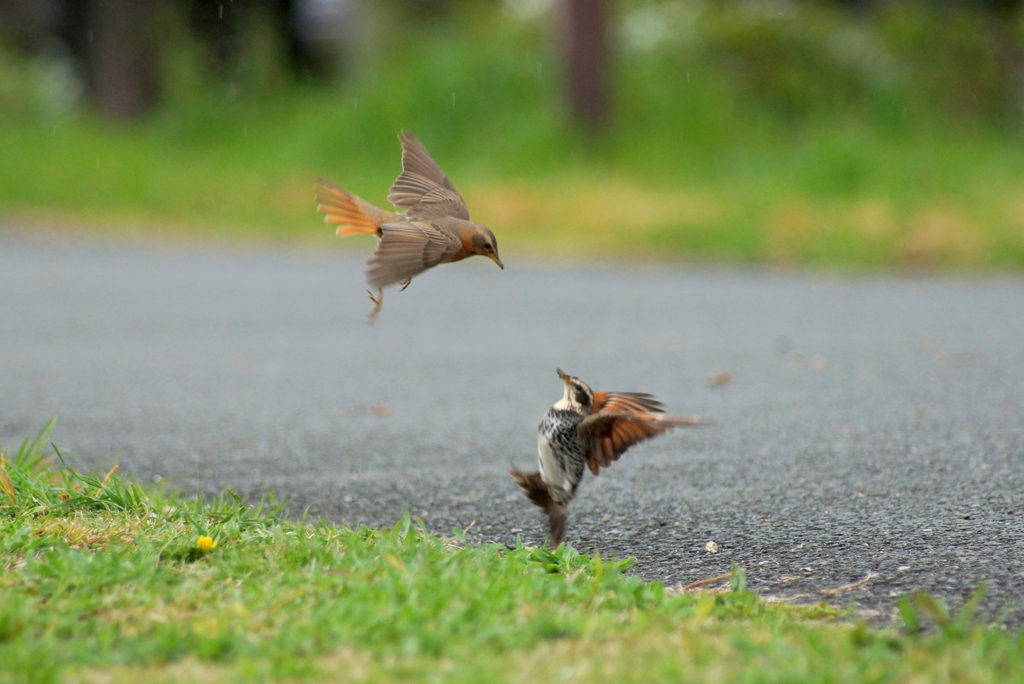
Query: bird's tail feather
x=539 y=493
x=535 y=488
x=351 y=214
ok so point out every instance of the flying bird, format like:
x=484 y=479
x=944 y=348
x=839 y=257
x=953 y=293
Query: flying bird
x=587 y=429
x=433 y=229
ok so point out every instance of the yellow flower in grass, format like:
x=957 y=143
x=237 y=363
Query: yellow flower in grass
x=206 y=544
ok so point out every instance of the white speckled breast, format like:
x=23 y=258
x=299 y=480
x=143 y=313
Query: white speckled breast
x=561 y=455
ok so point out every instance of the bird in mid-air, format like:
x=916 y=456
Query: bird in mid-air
x=433 y=229
x=587 y=429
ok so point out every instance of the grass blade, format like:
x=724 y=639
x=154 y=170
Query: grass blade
x=6 y=486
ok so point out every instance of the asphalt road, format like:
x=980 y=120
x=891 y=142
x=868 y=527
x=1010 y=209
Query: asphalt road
x=873 y=425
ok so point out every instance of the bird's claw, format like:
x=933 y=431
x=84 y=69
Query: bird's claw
x=406 y=283
x=378 y=301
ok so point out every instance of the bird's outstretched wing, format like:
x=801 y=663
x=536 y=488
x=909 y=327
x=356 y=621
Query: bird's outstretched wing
x=613 y=402
x=422 y=188
x=608 y=435
x=406 y=249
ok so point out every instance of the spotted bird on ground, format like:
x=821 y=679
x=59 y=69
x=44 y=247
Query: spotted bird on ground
x=587 y=429
x=433 y=229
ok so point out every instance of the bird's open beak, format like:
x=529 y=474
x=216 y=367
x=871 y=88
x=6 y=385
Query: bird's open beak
x=563 y=375
x=494 y=257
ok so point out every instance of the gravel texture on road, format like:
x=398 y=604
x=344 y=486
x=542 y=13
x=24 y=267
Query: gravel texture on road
x=869 y=427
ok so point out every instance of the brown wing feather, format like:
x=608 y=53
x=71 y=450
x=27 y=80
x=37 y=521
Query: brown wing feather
x=608 y=435
x=628 y=402
x=422 y=187
x=406 y=249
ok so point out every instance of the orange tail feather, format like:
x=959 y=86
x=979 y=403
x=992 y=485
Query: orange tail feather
x=343 y=210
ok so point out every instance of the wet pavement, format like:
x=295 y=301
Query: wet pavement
x=871 y=429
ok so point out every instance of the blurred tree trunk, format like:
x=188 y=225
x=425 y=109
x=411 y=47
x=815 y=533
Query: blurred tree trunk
x=122 y=57
x=587 y=54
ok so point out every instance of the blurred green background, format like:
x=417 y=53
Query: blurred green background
x=761 y=131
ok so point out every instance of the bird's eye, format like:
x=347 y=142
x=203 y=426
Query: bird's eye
x=487 y=245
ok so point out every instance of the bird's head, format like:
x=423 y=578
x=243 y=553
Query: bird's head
x=484 y=244
x=577 y=395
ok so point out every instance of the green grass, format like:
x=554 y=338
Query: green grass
x=805 y=135
x=104 y=581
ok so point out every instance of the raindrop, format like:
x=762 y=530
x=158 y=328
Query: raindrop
x=355 y=103
x=92 y=36
x=540 y=68
x=220 y=11
x=55 y=130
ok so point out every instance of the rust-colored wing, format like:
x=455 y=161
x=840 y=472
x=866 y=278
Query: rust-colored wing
x=422 y=188
x=406 y=249
x=628 y=402
x=608 y=435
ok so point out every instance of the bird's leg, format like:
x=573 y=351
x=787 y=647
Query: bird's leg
x=552 y=500
x=558 y=514
x=378 y=301
x=405 y=284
